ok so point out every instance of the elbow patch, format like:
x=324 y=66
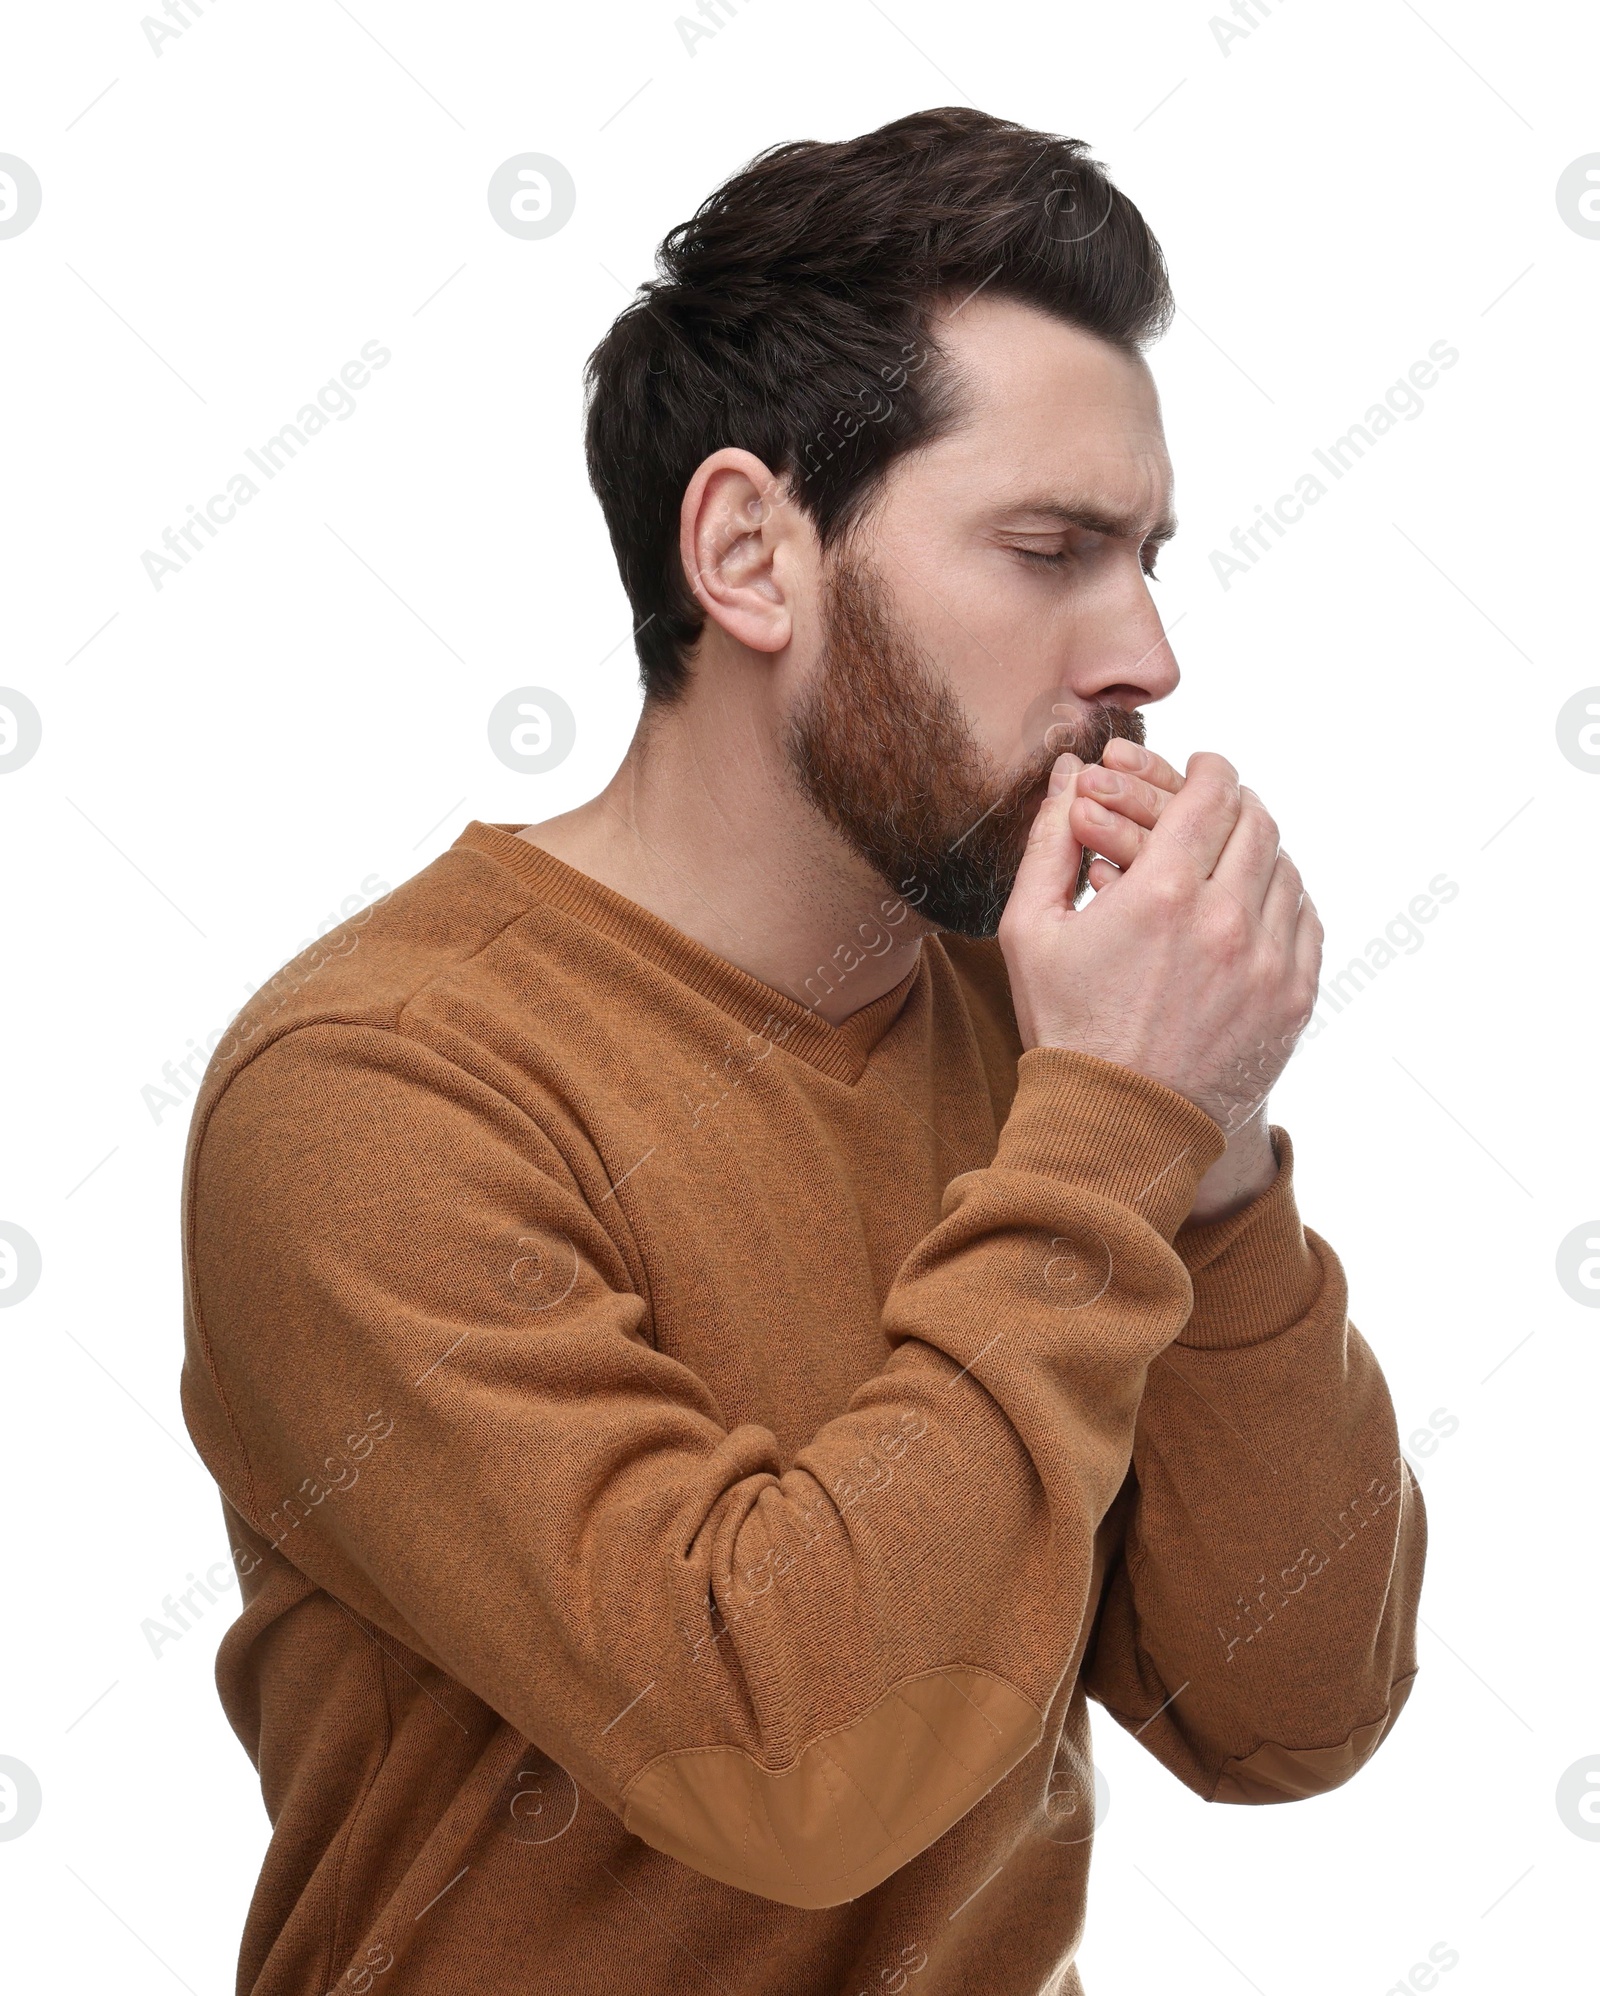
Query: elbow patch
x=1276 y=1773
x=853 y=1806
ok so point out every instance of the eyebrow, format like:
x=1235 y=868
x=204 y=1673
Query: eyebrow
x=1120 y=526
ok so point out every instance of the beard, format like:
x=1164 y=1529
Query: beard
x=882 y=747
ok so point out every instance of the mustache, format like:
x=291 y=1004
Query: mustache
x=1053 y=724
x=1085 y=734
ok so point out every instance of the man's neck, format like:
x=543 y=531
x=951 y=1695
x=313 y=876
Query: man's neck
x=704 y=826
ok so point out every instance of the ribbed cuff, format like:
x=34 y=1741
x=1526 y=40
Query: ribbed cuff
x=1254 y=1273
x=1110 y=1130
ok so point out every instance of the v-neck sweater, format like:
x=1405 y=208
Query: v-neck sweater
x=690 y=1464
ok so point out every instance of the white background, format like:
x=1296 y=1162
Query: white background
x=303 y=707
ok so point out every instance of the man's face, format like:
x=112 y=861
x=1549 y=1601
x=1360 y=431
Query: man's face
x=992 y=610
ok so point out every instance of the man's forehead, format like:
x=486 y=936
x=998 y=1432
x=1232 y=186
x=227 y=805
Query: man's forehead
x=1071 y=425
x=1074 y=422
x=1011 y=354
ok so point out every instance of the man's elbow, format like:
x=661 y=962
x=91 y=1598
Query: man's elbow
x=853 y=1806
x=1277 y=1773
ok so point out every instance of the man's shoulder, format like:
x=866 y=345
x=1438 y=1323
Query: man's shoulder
x=377 y=968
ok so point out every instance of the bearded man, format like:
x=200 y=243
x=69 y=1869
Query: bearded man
x=741 y=1307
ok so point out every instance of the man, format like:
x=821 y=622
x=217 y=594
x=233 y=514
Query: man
x=722 y=1318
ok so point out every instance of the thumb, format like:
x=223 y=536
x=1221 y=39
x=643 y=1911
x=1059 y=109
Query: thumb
x=1048 y=873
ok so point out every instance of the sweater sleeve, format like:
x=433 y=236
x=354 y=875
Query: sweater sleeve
x=792 y=1677
x=1259 y=1633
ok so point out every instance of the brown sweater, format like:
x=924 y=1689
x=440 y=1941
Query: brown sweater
x=689 y=1463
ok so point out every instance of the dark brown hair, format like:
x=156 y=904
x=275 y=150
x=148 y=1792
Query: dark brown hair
x=790 y=319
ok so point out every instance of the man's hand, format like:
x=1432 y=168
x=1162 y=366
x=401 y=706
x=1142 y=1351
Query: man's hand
x=1127 y=790
x=1196 y=962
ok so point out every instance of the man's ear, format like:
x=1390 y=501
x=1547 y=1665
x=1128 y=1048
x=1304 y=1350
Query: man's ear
x=734 y=525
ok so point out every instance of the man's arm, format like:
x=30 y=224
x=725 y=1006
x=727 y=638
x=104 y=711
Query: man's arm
x=1259 y=1632
x=793 y=1678
x=1259 y=1635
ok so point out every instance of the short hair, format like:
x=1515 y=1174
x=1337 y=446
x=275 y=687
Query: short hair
x=791 y=315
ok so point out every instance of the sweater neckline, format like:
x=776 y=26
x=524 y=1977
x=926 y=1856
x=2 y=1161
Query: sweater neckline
x=841 y=1051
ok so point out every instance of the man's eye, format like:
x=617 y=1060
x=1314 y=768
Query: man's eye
x=1060 y=557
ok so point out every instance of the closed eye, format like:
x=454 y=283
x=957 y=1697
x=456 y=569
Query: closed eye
x=1061 y=556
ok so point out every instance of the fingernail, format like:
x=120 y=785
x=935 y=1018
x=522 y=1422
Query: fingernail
x=1096 y=816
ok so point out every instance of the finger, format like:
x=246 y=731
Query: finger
x=1102 y=873
x=1280 y=905
x=1245 y=865
x=1131 y=795
x=1108 y=833
x=1308 y=946
x=1197 y=824
x=1134 y=758
x=1062 y=771
x=1048 y=873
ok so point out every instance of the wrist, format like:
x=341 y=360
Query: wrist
x=1243 y=1172
x=1111 y=1130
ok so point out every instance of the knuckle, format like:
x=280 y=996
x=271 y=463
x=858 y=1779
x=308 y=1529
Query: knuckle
x=1169 y=890
x=1213 y=791
x=1228 y=927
